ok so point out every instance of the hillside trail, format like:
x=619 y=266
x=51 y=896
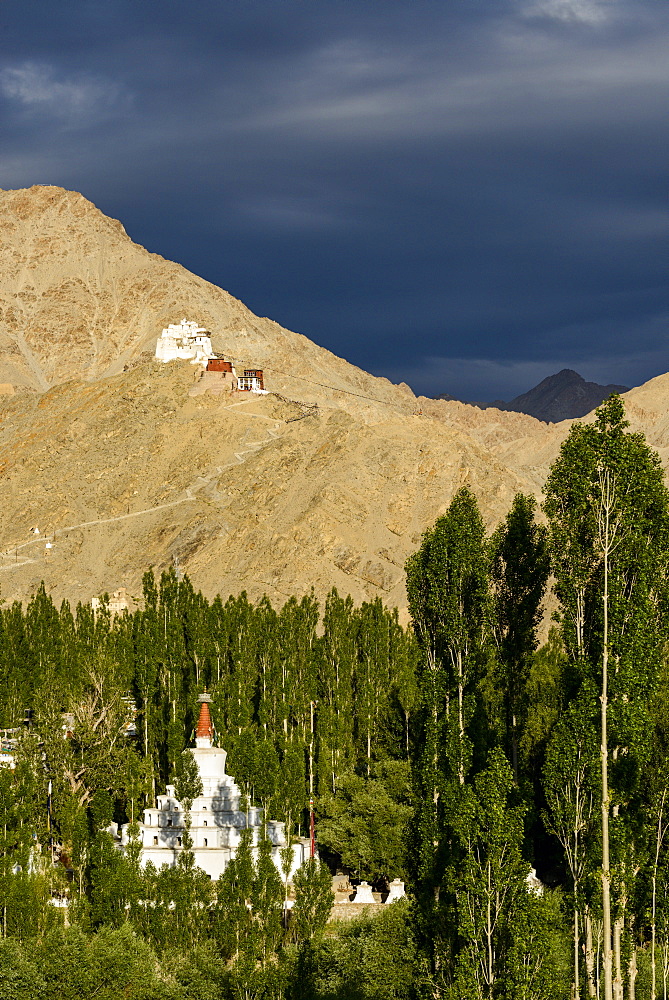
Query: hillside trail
x=12 y=551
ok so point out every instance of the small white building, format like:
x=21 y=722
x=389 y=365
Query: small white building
x=217 y=821
x=184 y=341
x=7 y=747
x=118 y=603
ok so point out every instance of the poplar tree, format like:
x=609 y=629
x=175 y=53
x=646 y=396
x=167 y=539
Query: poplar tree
x=519 y=573
x=570 y=791
x=313 y=900
x=448 y=592
x=188 y=886
x=336 y=657
x=609 y=518
x=373 y=674
x=489 y=883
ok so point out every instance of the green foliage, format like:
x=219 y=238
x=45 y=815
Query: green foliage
x=187 y=782
x=519 y=570
x=20 y=976
x=313 y=900
x=70 y=965
x=592 y=456
x=448 y=586
x=608 y=510
x=545 y=690
x=366 y=822
x=489 y=882
x=454 y=754
x=538 y=964
x=371 y=958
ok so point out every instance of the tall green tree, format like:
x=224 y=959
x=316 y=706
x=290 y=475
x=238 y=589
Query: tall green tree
x=609 y=519
x=448 y=592
x=313 y=900
x=520 y=566
x=570 y=787
x=490 y=881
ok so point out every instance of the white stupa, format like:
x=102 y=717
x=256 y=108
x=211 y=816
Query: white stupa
x=185 y=340
x=216 y=818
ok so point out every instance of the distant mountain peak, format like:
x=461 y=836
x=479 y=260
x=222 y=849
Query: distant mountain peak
x=563 y=396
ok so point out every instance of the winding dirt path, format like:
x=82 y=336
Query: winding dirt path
x=12 y=551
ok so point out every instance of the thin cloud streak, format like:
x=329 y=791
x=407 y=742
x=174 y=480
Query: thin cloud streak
x=590 y=12
x=39 y=89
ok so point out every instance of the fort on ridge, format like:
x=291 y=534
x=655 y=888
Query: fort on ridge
x=186 y=341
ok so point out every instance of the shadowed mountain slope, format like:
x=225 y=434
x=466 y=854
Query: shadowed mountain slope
x=564 y=396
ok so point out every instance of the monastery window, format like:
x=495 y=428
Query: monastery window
x=169 y=821
x=155 y=841
x=205 y=823
x=179 y=841
x=205 y=841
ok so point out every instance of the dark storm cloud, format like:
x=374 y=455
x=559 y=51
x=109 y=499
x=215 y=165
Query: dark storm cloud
x=466 y=196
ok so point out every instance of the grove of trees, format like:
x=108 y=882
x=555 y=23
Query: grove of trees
x=457 y=753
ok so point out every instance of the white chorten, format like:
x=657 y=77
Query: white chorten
x=216 y=818
x=396 y=890
x=185 y=340
x=364 y=894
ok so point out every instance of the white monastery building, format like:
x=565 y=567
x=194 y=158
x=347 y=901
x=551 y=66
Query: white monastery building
x=216 y=817
x=185 y=340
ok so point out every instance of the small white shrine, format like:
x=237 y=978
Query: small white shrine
x=396 y=891
x=217 y=821
x=186 y=341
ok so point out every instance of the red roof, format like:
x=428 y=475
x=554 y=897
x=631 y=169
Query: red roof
x=205 y=727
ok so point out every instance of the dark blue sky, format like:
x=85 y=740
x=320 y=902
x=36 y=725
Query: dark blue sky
x=467 y=195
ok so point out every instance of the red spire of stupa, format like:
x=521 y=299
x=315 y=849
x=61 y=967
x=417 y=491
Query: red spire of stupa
x=205 y=727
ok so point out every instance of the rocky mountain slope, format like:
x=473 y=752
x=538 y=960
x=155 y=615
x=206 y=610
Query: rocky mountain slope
x=103 y=449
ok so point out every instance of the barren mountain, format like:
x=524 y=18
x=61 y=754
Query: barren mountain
x=563 y=396
x=79 y=299
x=105 y=452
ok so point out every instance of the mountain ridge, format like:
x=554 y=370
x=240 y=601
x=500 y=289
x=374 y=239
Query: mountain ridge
x=104 y=449
x=566 y=395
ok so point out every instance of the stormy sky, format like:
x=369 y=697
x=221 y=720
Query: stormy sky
x=466 y=195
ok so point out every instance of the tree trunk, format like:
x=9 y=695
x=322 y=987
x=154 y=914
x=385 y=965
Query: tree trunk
x=618 y=979
x=653 y=941
x=576 y=948
x=491 y=971
x=461 y=717
x=311 y=752
x=514 y=746
x=653 y=917
x=632 y=975
x=606 y=864
x=589 y=956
